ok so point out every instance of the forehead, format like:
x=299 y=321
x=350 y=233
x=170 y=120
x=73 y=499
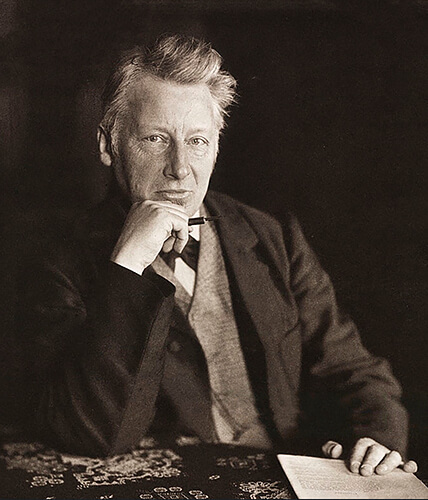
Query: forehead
x=153 y=100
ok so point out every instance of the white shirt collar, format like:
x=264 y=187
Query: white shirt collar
x=196 y=229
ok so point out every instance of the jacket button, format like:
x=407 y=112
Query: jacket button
x=174 y=346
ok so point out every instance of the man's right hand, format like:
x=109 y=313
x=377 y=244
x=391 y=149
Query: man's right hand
x=151 y=226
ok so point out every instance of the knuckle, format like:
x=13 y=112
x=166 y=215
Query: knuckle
x=157 y=211
x=366 y=441
x=155 y=206
x=372 y=448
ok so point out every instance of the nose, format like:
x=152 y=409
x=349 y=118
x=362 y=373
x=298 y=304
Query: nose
x=177 y=164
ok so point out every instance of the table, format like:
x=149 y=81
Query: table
x=183 y=469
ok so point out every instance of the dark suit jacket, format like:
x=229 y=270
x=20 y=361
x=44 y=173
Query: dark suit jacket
x=98 y=337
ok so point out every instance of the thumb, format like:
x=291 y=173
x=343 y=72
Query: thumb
x=332 y=449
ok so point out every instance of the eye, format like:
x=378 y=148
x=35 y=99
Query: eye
x=198 y=141
x=154 y=139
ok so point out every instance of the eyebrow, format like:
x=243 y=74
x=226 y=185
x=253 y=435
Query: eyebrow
x=156 y=128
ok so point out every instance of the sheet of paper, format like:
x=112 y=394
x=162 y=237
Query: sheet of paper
x=313 y=477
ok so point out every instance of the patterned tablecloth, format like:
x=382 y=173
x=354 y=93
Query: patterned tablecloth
x=186 y=469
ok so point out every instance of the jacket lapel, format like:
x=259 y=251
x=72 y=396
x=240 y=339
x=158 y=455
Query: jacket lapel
x=262 y=299
x=273 y=354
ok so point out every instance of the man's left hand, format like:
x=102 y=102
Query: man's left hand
x=368 y=457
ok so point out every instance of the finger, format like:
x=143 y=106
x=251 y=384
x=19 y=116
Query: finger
x=391 y=461
x=178 y=237
x=170 y=207
x=162 y=203
x=180 y=231
x=374 y=455
x=411 y=466
x=358 y=453
x=181 y=237
x=332 y=449
x=162 y=209
x=168 y=244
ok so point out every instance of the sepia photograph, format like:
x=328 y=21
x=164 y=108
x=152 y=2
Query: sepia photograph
x=213 y=259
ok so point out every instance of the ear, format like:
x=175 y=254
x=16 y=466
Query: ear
x=104 y=147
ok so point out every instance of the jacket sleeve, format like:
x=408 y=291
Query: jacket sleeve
x=97 y=354
x=350 y=392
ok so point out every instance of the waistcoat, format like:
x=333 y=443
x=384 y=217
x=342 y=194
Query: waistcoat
x=214 y=363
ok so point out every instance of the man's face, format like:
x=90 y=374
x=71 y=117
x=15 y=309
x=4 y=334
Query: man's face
x=167 y=143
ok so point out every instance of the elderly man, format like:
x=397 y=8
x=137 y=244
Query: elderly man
x=229 y=330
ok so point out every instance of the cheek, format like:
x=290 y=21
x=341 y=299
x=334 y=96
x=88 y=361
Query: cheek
x=202 y=170
x=142 y=166
x=204 y=163
x=202 y=181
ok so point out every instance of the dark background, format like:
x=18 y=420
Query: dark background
x=332 y=123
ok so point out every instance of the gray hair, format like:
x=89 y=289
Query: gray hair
x=176 y=58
